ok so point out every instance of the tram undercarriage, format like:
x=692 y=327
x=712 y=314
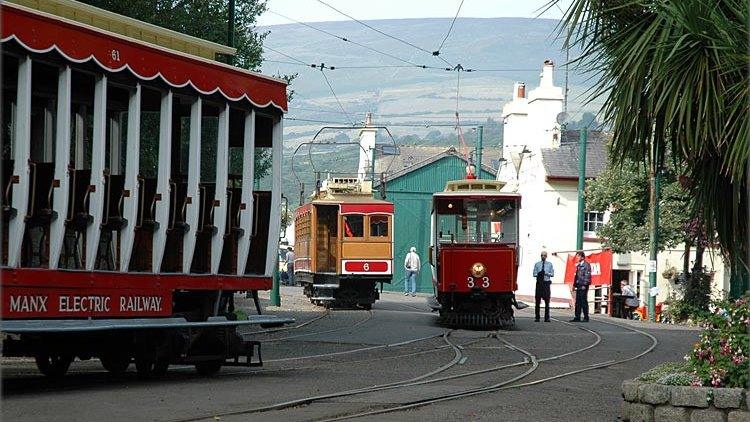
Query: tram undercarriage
x=187 y=337
x=477 y=310
x=334 y=291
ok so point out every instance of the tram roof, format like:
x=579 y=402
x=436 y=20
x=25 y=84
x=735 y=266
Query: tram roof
x=352 y=204
x=476 y=194
x=475 y=188
x=42 y=33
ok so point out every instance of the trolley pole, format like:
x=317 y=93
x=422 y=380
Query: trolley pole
x=480 y=130
x=581 y=185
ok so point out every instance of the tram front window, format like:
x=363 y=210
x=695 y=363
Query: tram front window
x=476 y=221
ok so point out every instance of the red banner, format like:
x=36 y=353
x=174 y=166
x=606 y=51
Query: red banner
x=601 y=268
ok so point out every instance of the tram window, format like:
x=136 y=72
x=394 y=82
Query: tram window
x=476 y=221
x=209 y=139
x=379 y=226
x=354 y=225
x=43 y=108
x=149 y=145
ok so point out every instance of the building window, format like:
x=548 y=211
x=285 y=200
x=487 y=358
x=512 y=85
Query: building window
x=592 y=221
x=354 y=226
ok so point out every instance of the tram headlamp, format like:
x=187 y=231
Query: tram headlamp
x=478 y=270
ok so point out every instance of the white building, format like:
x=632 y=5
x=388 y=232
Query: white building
x=541 y=164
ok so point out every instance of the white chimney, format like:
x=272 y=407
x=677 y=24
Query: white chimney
x=367 y=148
x=547 y=70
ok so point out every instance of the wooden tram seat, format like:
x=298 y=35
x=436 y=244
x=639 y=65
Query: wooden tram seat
x=78 y=217
x=256 y=260
x=146 y=205
x=114 y=188
x=206 y=210
x=205 y=230
x=178 y=206
x=40 y=211
x=145 y=226
x=7 y=194
x=234 y=200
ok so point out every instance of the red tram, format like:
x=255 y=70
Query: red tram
x=475 y=253
x=127 y=227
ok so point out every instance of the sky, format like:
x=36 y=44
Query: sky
x=315 y=11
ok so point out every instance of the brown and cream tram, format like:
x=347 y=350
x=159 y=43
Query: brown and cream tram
x=344 y=244
x=475 y=253
x=132 y=212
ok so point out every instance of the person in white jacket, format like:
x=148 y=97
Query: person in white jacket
x=412 y=265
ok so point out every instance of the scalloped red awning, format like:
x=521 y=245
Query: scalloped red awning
x=41 y=33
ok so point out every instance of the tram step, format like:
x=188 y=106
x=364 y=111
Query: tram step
x=326 y=286
x=329 y=299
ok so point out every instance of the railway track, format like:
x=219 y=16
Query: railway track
x=529 y=359
x=314 y=333
x=508 y=384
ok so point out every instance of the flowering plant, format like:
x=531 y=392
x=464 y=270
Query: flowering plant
x=721 y=358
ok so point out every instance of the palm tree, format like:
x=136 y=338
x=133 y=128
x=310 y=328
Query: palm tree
x=674 y=76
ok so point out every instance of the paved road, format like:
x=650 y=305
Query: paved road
x=397 y=346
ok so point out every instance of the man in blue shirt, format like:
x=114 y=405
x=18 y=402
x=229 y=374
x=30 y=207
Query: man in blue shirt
x=543 y=272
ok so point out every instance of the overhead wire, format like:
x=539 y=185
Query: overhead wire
x=265 y=47
x=437 y=52
x=345 y=39
x=348 y=116
x=383 y=33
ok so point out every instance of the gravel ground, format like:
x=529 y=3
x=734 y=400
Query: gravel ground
x=367 y=353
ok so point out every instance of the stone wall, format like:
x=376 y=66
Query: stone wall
x=647 y=402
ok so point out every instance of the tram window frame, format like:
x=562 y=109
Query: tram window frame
x=383 y=219
x=344 y=225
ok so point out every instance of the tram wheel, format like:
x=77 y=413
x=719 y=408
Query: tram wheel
x=53 y=366
x=208 y=367
x=115 y=363
x=150 y=367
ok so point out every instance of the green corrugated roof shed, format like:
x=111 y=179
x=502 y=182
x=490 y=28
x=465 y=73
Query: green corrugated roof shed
x=410 y=189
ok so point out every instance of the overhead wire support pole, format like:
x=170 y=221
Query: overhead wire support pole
x=230 y=31
x=653 y=240
x=581 y=185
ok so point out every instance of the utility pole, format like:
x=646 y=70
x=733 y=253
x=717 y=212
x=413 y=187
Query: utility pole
x=230 y=31
x=653 y=240
x=480 y=130
x=275 y=289
x=581 y=185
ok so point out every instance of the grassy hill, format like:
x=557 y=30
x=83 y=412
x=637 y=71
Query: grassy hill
x=418 y=105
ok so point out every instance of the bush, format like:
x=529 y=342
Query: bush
x=660 y=371
x=721 y=358
x=670 y=373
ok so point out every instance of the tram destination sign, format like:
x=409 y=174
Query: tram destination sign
x=19 y=302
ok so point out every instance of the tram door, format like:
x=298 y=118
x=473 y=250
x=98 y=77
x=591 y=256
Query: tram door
x=327 y=244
